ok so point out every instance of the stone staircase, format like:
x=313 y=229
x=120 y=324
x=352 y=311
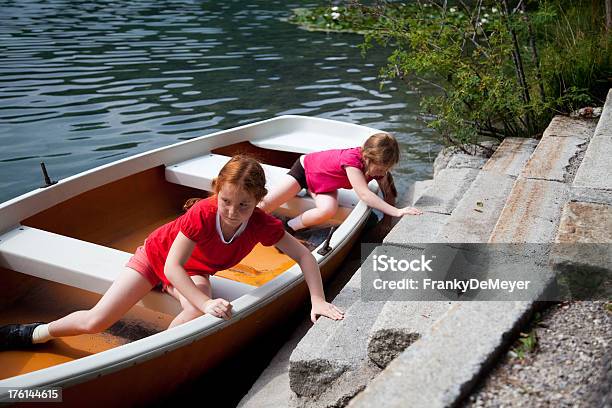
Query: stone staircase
x=399 y=353
x=441 y=368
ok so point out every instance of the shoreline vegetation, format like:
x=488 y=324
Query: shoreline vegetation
x=499 y=68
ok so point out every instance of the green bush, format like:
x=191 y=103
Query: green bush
x=501 y=68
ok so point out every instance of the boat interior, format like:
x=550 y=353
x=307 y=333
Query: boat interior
x=63 y=258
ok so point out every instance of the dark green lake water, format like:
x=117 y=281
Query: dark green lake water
x=84 y=83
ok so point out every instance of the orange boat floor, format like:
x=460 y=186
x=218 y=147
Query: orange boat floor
x=46 y=301
x=258 y=267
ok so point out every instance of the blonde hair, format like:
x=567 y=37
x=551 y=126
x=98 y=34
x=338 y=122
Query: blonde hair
x=381 y=149
x=244 y=172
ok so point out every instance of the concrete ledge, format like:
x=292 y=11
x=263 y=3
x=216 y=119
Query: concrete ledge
x=437 y=202
x=532 y=212
x=552 y=157
x=583 y=255
x=416 y=190
x=593 y=182
x=511 y=156
x=416 y=231
x=474 y=218
x=585 y=223
x=439 y=369
x=564 y=126
x=446 y=191
x=400 y=324
x=331 y=348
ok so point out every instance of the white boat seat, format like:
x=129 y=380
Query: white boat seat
x=302 y=141
x=86 y=265
x=200 y=172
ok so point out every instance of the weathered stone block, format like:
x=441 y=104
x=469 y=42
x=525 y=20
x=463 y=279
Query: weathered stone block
x=466 y=161
x=585 y=223
x=415 y=231
x=446 y=191
x=532 y=212
x=551 y=158
x=583 y=251
x=593 y=182
x=399 y=324
x=474 y=218
x=563 y=126
x=511 y=156
x=441 y=367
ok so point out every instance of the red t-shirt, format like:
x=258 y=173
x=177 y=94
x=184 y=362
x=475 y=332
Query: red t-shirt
x=210 y=254
x=325 y=171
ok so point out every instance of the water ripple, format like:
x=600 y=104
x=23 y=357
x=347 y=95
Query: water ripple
x=101 y=80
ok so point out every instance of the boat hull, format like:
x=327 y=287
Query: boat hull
x=109 y=211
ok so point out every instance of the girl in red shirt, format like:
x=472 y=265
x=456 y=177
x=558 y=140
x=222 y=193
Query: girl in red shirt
x=214 y=234
x=323 y=173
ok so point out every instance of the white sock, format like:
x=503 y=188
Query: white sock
x=296 y=223
x=41 y=334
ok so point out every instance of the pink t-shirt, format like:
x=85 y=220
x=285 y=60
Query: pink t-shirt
x=210 y=254
x=325 y=171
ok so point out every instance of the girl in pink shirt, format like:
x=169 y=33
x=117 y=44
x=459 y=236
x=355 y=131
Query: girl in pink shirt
x=323 y=173
x=214 y=234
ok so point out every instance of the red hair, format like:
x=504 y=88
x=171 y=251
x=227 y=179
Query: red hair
x=244 y=172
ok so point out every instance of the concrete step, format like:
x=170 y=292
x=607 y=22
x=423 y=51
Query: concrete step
x=446 y=191
x=436 y=370
x=593 y=182
x=416 y=190
x=532 y=212
x=437 y=202
x=399 y=324
x=463 y=216
x=331 y=350
x=476 y=214
x=563 y=140
x=585 y=223
x=582 y=254
x=510 y=156
x=440 y=368
x=533 y=209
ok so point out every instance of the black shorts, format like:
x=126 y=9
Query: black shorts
x=297 y=172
